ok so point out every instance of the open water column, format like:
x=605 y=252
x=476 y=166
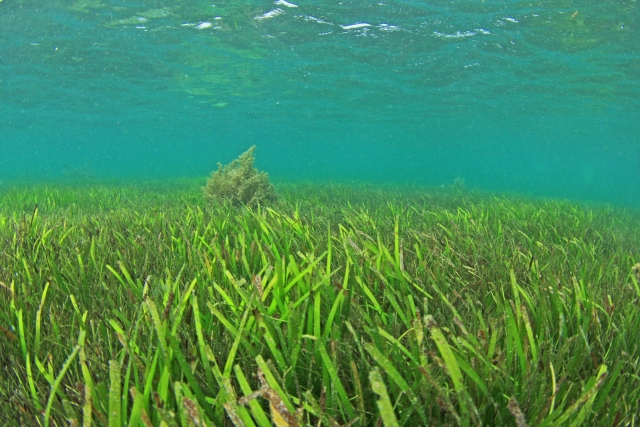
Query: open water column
x=532 y=97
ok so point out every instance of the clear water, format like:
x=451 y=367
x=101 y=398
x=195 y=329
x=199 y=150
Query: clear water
x=536 y=97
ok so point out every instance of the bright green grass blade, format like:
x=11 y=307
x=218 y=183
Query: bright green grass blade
x=182 y=410
x=452 y=365
x=396 y=377
x=396 y=342
x=335 y=380
x=532 y=341
x=227 y=396
x=47 y=374
x=234 y=348
x=514 y=289
x=636 y=286
x=586 y=399
x=162 y=389
x=21 y=332
x=130 y=282
x=273 y=347
x=222 y=393
x=117 y=275
x=36 y=343
x=384 y=403
x=115 y=404
x=329 y=247
x=233 y=330
x=186 y=371
x=56 y=383
x=514 y=336
x=238 y=414
x=150 y=376
x=119 y=331
x=32 y=386
x=390 y=370
x=390 y=295
x=125 y=386
x=273 y=383
x=160 y=327
x=603 y=394
x=226 y=296
x=87 y=409
x=182 y=305
x=317 y=305
x=359 y=393
x=258 y=413
x=336 y=306
x=369 y=294
x=304 y=272
x=136 y=408
x=201 y=343
x=471 y=373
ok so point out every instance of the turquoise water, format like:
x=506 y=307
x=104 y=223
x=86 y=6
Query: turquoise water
x=538 y=98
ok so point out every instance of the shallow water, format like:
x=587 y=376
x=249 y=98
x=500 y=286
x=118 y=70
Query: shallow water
x=532 y=97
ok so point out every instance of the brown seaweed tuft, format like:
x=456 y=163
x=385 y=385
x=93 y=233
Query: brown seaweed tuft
x=239 y=182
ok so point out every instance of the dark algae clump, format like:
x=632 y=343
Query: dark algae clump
x=239 y=182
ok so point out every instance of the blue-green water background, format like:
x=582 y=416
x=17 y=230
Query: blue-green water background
x=536 y=97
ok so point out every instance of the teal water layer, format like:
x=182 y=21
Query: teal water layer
x=539 y=97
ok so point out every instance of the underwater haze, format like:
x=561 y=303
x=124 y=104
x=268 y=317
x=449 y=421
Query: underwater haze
x=533 y=97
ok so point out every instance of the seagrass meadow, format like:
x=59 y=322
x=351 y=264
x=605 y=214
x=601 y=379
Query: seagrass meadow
x=142 y=305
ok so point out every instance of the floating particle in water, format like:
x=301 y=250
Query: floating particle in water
x=285 y=3
x=387 y=27
x=456 y=35
x=270 y=14
x=355 y=26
